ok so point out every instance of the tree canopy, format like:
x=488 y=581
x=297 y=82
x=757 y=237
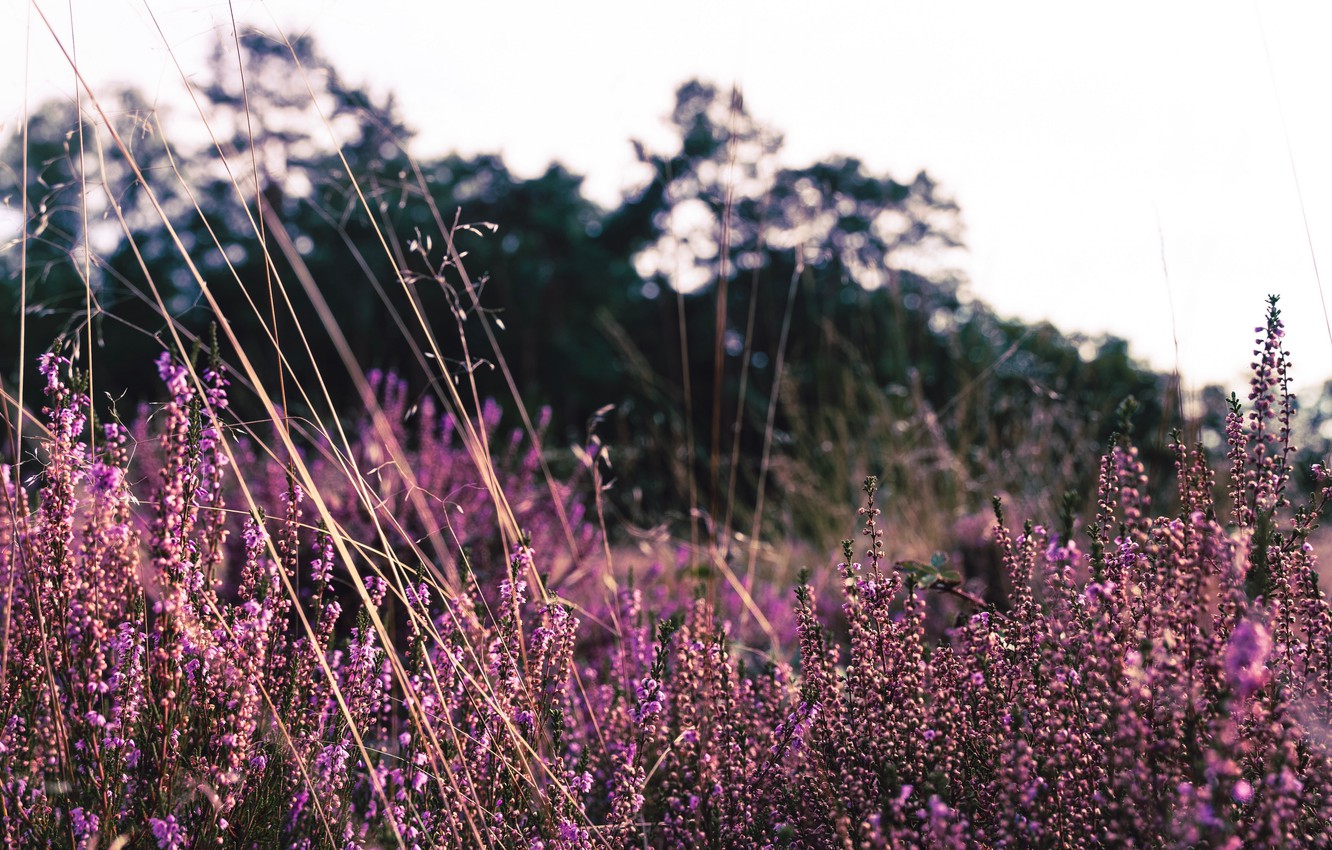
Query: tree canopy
x=676 y=308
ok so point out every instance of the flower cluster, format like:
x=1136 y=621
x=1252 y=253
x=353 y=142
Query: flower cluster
x=178 y=674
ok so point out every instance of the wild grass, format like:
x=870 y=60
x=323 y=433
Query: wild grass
x=405 y=631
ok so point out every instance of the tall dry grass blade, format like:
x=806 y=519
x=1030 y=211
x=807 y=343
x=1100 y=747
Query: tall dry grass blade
x=1294 y=171
x=498 y=353
x=769 y=427
x=86 y=271
x=249 y=368
x=20 y=412
x=737 y=426
x=722 y=297
x=261 y=230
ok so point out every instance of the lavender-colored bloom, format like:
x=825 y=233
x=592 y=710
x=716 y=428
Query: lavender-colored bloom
x=84 y=823
x=1243 y=792
x=184 y=678
x=168 y=833
x=1247 y=653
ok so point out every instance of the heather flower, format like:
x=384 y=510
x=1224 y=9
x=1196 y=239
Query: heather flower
x=1243 y=792
x=168 y=833
x=1247 y=653
x=1158 y=683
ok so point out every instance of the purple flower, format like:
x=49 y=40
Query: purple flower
x=84 y=823
x=570 y=832
x=1243 y=792
x=168 y=833
x=1247 y=652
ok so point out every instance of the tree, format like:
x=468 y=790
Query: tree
x=670 y=307
x=881 y=333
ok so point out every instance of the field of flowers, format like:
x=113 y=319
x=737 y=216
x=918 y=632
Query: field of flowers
x=210 y=643
x=241 y=618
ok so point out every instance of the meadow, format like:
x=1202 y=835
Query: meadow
x=418 y=625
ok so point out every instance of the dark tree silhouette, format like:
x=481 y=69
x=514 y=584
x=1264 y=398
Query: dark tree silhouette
x=700 y=268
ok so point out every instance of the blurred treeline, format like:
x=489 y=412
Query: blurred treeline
x=887 y=368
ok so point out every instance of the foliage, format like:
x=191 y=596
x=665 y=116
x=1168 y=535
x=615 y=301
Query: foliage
x=582 y=300
x=306 y=607
x=1164 y=684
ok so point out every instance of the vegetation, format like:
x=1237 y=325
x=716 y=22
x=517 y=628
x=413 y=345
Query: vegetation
x=580 y=299
x=306 y=603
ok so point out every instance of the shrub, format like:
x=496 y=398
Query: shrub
x=179 y=675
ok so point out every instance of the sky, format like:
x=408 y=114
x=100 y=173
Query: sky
x=1147 y=169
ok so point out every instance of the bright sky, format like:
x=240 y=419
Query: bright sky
x=1091 y=149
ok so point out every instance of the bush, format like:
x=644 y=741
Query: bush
x=1163 y=683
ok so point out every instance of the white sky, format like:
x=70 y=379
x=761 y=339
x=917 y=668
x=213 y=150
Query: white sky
x=1078 y=141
